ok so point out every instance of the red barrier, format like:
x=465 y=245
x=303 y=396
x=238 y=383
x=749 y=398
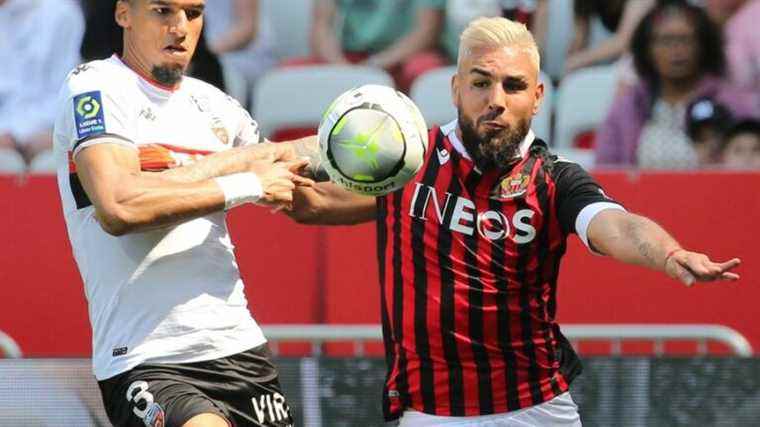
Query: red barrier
x=297 y=274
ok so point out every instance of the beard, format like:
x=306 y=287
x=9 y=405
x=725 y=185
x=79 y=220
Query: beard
x=167 y=75
x=495 y=149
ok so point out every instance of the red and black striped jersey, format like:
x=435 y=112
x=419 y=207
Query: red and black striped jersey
x=468 y=269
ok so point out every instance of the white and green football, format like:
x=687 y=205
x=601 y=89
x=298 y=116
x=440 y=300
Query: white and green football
x=372 y=140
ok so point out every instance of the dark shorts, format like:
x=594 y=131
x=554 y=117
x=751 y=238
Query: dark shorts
x=242 y=388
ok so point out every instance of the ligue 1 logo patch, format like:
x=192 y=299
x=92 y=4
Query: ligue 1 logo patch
x=88 y=114
x=513 y=186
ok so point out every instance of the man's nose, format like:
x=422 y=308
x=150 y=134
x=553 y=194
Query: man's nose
x=178 y=25
x=497 y=99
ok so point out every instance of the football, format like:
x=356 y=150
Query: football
x=372 y=140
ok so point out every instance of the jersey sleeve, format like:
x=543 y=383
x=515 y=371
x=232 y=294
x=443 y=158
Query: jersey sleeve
x=90 y=108
x=579 y=199
x=248 y=130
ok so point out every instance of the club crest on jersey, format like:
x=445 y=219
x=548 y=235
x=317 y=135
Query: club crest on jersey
x=217 y=126
x=512 y=186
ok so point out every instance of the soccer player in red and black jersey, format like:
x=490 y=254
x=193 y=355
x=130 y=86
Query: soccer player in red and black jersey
x=470 y=250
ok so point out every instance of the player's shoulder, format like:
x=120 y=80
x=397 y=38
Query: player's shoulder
x=199 y=87
x=101 y=74
x=216 y=96
x=558 y=166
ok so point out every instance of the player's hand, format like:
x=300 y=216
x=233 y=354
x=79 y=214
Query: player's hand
x=690 y=267
x=278 y=180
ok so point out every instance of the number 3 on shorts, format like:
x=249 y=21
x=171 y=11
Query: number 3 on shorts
x=152 y=414
x=137 y=393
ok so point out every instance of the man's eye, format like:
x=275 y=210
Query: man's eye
x=514 y=86
x=161 y=10
x=193 y=14
x=481 y=84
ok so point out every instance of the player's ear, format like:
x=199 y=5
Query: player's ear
x=455 y=89
x=121 y=14
x=539 y=97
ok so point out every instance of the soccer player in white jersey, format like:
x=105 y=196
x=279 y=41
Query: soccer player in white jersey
x=148 y=163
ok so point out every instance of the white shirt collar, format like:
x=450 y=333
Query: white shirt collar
x=449 y=129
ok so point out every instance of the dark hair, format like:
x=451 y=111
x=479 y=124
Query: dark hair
x=745 y=126
x=610 y=12
x=712 y=59
x=705 y=111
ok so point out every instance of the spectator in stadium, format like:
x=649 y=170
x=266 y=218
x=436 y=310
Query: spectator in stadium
x=469 y=251
x=679 y=56
x=149 y=161
x=603 y=30
x=706 y=124
x=533 y=13
x=401 y=37
x=39 y=44
x=241 y=36
x=102 y=38
x=741 y=146
x=739 y=19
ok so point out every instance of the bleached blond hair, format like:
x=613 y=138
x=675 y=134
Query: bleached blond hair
x=494 y=33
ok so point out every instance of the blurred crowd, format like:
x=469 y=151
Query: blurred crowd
x=687 y=72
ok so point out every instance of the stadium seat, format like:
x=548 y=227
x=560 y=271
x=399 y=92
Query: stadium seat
x=297 y=97
x=432 y=94
x=236 y=85
x=583 y=99
x=557 y=38
x=291 y=21
x=11 y=161
x=43 y=163
x=583 y=157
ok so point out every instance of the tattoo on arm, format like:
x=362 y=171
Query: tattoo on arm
x=649 y=240
x=634 y=231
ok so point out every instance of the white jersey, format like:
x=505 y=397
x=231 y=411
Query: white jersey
x=168 y=296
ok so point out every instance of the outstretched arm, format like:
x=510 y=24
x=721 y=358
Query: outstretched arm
x=323 y=203
x=326 y=203
x=127 y=199
x=637 y=240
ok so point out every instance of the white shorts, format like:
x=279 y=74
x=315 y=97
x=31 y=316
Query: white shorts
x=558 y=412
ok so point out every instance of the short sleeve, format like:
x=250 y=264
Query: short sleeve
x=578 y=198
x=248 y=129
x=89 y=109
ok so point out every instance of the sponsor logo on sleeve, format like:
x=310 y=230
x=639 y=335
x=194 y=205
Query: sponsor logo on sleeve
x=88 y=114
